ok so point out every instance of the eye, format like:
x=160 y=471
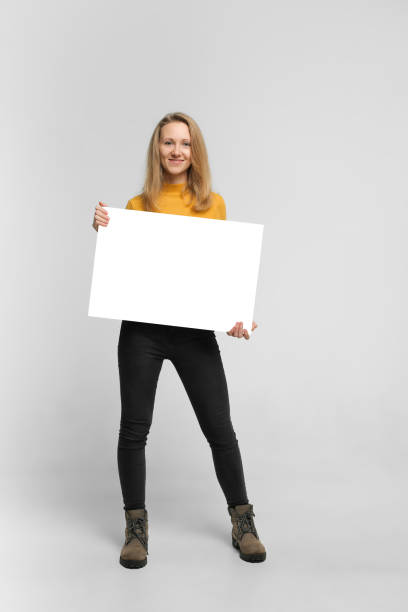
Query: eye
x=167 y=142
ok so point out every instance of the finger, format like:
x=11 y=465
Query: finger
x=101 y=210
x=102 y=213
x=236 y=329
x=246 y=335
x=101 y=217
x=231 y=331
x=101 y=220
x=240 y=329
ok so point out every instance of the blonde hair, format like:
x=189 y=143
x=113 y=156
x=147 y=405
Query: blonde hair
x=198 y=174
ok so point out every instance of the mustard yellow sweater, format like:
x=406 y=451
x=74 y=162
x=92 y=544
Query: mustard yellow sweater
x=170 y=201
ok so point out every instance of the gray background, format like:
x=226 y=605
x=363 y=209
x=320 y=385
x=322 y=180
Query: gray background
x=303 y=108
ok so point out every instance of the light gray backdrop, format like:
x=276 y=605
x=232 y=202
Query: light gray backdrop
x=304 y=110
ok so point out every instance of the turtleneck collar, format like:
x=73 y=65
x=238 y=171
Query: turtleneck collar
x=173 y=187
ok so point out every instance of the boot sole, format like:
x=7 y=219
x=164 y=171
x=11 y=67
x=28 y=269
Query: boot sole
x=251 y=557
x=132 y=563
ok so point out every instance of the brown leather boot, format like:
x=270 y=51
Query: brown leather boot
x=244 y=535
x=134 y=551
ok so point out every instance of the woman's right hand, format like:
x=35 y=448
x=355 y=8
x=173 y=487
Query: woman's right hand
x=101 y=216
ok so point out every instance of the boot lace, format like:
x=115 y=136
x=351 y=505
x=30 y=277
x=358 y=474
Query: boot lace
x=137 y=529
x=245 y=524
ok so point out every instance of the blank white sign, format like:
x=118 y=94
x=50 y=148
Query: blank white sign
x=176 y=270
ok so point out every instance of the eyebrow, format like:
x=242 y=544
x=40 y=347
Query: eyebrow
x=168 y=138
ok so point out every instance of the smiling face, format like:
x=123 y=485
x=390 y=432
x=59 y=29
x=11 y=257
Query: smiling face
x=175 y=151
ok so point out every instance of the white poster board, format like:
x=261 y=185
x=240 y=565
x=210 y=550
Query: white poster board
x=176 y=270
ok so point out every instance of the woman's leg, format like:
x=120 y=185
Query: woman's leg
x=140 y=360
x=199 y=365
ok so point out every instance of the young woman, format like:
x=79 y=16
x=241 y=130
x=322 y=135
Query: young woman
x=177 y=182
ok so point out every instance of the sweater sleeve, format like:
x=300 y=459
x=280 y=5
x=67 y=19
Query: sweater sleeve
x=222 y=208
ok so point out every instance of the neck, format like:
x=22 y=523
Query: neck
x=175 y=179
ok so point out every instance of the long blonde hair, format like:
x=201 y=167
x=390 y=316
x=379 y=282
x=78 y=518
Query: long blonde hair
x=198 y=174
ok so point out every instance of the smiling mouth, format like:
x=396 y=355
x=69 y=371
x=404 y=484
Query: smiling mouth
x=176 y=161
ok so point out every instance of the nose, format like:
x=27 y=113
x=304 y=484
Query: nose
x=176 y=150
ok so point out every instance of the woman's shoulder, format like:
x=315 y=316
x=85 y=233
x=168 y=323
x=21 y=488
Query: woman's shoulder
x=219 y=205
x=135 y=203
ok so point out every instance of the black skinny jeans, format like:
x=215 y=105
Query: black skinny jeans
x=196 y=356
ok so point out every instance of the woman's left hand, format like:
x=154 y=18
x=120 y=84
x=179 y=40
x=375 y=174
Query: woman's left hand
x=238 y=332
